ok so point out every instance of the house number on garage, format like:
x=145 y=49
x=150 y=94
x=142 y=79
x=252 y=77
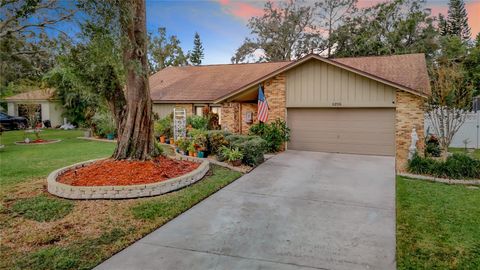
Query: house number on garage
x=336 y=104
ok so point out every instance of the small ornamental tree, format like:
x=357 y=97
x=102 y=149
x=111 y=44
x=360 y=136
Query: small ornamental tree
x=449 y=104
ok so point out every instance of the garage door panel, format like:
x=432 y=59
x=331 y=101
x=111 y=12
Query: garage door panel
x=357 y=131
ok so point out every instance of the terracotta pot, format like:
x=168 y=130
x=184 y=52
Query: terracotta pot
x=237 y=162
x=195 y=154
x=172 y=141
x=162 y=139
x=190 y=153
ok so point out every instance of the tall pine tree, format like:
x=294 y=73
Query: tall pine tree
x=197 y=55
x=457 y=19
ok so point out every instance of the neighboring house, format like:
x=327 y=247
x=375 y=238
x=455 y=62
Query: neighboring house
x=48 y=107
x=364 y=105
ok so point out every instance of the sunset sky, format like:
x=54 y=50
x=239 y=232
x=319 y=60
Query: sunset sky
x=222 y=23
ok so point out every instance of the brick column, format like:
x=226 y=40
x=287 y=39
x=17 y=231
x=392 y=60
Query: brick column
x=276 y=96
x=231 y=116
x=409 y=114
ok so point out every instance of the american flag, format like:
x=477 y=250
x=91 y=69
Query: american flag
x=262 y=106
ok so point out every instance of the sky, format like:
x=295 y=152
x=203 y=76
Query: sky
x=222 y=23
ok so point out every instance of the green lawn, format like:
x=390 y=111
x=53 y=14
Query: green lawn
x=438 y=226
x=475 y=154
x=41 y=231
x=20 y=163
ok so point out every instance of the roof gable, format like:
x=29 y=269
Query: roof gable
x=215 y=83
x=205 y=83
x=35 y=95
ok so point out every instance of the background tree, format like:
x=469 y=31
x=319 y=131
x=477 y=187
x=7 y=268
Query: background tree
x=396 y=27
x=197 y=54
x=331 y=14
x=458 y=20
x=26 y=51
x=283 y=32
x=164 y=51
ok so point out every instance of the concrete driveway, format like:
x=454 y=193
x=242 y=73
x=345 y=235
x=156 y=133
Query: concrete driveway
x=298 y=210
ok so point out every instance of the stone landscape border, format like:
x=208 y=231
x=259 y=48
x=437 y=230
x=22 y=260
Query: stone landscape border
x=441 y=180
x=39 y=143
x=123 y=192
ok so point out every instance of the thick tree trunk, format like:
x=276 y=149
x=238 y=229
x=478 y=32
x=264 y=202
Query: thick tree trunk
x=135 y=131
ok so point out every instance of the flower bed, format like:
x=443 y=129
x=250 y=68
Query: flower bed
x=107 y=179
x=37 y=142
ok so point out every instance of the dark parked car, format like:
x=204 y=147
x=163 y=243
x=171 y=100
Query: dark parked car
x=12 y=122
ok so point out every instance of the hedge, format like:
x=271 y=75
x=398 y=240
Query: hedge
x=457 y=166
x=252 y=147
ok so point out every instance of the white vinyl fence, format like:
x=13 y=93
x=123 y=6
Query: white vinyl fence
x=470 y=130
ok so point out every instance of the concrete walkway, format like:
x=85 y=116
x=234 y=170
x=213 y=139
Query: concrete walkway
x=298 y=210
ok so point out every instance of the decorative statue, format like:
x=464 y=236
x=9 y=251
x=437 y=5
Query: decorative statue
x=413 y=146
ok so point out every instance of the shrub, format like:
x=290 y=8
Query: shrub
x=456 y=166
x=275 y=134
x=231 y=154
x=432 y=147
x=164 y=127
x=198 y=122
x=42 y=208
x=215 y=140
x=252 y=147
x=103 y=124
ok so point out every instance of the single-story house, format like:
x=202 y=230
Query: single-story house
x=360 y=105
x=48 y=107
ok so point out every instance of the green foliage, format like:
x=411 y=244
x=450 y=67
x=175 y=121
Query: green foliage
x=216 y=139
x=42 y=208
x=164 y=51
x=170 y=206
x=164 y=127
x=275 y=133
x=157 y=149
x=197 y=54
x=437 y=226
x=282 y=33
x=231 y=154
x=198 y=122
x=432 y=147
x=200 y=141
x=103 y=124
x=391 y=27
x=252 y=147
x=457 y=166
x=457 y=20
x=90 y=75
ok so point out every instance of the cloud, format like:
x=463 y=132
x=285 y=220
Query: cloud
x=473 y=11
x=240 y=10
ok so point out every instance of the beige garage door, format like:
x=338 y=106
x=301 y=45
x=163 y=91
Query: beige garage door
x=356 y=131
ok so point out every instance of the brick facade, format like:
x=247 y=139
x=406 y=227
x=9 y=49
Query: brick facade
x=409 y=114
x=275 y=93
x=231 y=116
x=245 y=108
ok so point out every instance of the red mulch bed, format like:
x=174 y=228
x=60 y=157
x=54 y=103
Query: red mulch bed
x=123 y=172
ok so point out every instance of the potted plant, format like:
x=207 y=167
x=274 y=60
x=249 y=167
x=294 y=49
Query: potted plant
x=200 y=141
x=191 y=149
x=163 y=129
x=234 y=156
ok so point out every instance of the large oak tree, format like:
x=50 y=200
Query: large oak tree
x=135 y=128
